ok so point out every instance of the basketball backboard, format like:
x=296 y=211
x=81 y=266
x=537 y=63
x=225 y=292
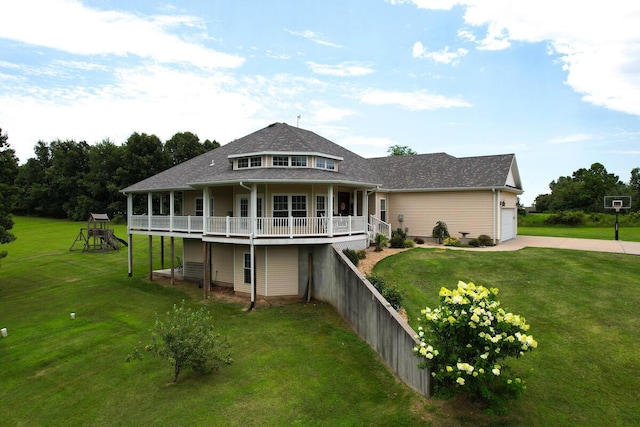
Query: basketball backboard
x=617 y=203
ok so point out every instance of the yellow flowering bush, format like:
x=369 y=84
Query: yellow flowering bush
x=465 y=340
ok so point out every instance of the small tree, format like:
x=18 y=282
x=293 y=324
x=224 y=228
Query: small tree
x=381 y=242
x=187 y=340
x=440 y=231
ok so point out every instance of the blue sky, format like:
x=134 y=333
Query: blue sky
x=556 y=83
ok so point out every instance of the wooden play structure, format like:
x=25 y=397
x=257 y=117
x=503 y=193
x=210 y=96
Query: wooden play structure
x=97 y=236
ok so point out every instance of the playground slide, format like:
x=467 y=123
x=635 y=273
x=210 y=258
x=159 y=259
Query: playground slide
x=124 y=242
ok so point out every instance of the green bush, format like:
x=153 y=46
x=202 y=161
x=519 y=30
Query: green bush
x=474 y=242
x=397 y=241
x=452 y=241
x=390 y=293
x=408 y=243
x=465 y=340
x=352 y=255
x=399 y=232
x=485 y=240
x=440 y=231
x=381 y=241
x=361 y=254
x=566 y=218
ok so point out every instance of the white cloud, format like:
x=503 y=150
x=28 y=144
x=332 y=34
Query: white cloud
x=420 y=100
x=444 y=56
x=314 y=37
x=69 y=26
x=578 y=137
x=598 y=42
x=344 y=69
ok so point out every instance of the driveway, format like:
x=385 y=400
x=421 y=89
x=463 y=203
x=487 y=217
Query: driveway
x=615 y=246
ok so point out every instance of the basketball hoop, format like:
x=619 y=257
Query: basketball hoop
x=617 y=203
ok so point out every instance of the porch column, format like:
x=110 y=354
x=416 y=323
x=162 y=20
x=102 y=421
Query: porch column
x=129 y=235
x=150 y=257
x=206 y=276
x=330 y=210
x=365 y=205
x=149 y=209
x=172 y=263
x=355 y=203
x=172 y=200
x=206 y=207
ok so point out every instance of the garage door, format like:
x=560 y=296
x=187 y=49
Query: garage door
x=508 y=224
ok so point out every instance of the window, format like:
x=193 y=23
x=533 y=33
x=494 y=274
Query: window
x=280 y=160
x=298 y=161
x=280 y=206
x=247 y=267
x=243 y=163
x=256 y=162
x=299 y=206
x=383 y=210
x=321 y=205
x=322 y=163
x=200 y=206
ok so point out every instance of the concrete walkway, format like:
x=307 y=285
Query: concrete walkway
x=615 y=246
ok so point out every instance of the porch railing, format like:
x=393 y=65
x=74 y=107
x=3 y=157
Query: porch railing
x=377 y=226
x=261 y=227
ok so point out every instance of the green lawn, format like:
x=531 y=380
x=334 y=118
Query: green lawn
x=299 y=364
x=296 y=364
x=629 y=234
x=583 y=311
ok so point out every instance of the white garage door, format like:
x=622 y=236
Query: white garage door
x=508 y=224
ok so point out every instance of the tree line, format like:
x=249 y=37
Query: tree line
x=585 y=190
x=69 y=179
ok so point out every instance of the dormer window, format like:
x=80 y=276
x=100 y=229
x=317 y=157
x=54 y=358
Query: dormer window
x=299 y=161
x=246 y=162
x=323 y=163
x=280 y=160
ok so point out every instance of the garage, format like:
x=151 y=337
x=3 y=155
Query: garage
x=508 y=223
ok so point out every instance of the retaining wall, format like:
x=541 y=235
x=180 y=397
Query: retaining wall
x=337 y=282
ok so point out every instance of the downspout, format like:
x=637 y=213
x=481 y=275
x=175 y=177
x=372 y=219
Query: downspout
x=493 y=216
x=253 y=275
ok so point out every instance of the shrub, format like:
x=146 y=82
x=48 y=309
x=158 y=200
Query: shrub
x=352 y=255
x=399 y=232
x=474 y=242
x=465 y=340
x=187 y=340
x=452 y=241
x=485 y=240
x=390 y=293
x=566 y=218
x=440 y=231
x=396 y=242
x=418 y=240
x=361 y=254
x=381 y=241
x=408 y=243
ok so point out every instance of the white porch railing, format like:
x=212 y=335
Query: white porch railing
x=261 y=227
x=377 y=226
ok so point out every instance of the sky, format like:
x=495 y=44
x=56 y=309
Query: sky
x=555 y=82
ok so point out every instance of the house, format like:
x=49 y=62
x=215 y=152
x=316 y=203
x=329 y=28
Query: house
x=247 y=210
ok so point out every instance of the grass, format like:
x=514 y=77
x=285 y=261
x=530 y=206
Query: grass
x=582 y=307
x=629 y=234
x=296 y=364
x=300 y=364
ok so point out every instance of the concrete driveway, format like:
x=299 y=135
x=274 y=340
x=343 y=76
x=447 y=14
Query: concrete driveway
x=615 y=246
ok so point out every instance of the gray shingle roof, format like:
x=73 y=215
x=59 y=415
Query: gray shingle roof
x=442 y=171
x=426 y=171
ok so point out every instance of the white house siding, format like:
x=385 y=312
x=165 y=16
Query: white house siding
x=276 y=270
x=469 y=211
x=282 y=270
x=222 y=264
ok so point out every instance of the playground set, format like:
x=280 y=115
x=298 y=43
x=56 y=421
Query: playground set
x=97 y=236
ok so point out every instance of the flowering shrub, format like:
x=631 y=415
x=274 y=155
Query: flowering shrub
x=466 y=339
